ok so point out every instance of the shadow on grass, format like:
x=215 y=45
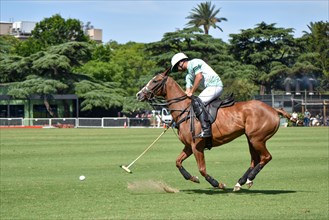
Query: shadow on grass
x=212 y=191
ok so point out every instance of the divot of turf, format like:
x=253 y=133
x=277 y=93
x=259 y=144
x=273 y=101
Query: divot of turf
x=151 y=186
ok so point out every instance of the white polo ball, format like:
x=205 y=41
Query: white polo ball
x=82 y=178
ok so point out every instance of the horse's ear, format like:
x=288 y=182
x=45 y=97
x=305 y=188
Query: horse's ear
x=166 y=73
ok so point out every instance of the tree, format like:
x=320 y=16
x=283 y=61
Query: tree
x=52 y=72
x=126 y=65
x=103 y=52
x=13 y=68
x=7 y=44
x=87 y=27
x=27 y=47
x=316 y=44
x=132 y=62
x=213 y=51
x=56 y=30
x=48 y=72
x=44 y=87
x=189 y=41
x=99 y=94
x=271 y=50
x=205 y=15
x=49 y=32
x=171 y=43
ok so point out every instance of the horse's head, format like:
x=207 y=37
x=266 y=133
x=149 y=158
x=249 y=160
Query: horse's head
x=155 y=87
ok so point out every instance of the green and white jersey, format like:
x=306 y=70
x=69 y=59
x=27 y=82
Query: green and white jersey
x=210 y=77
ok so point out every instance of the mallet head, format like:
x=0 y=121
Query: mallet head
x=126 y=168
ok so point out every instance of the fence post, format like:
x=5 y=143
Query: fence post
x=324 y=115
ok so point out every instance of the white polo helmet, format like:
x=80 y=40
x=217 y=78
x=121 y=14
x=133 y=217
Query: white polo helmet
x=176 y=59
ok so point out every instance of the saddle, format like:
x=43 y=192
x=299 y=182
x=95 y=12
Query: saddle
x=211 y=109
x=213 y=106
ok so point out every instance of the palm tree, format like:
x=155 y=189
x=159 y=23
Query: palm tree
x=205 y=15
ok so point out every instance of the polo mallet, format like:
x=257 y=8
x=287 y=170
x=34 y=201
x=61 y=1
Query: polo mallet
x=126 y=168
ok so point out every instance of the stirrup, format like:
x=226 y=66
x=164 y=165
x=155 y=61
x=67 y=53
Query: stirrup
x=203 y=135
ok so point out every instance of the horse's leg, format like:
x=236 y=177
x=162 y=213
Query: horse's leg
x=254 y=160
x=199 y=156
x=260 y=157
x=186 y=152
x=265 y=157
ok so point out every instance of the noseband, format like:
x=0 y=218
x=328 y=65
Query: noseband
x=150 y=93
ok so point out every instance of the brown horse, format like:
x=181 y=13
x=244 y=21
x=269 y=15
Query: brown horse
x=258 y=121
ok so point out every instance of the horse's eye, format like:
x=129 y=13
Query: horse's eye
x=155 y=81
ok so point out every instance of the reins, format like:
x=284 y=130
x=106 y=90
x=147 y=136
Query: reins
x=159 y=102
x=156 y=102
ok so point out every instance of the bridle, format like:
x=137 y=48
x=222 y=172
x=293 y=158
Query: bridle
x=159 y=87
x=149 y=94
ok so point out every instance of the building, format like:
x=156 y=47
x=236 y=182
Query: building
x=95 y=34
x=19 y=29
x=23 y=30
x=5 y=27
x=34 y=105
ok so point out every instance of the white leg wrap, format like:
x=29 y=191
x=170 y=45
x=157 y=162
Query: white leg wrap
x=249 y=183
x=237 y=187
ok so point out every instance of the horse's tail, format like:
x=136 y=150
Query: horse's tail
x=282 y=112
x=285 y=114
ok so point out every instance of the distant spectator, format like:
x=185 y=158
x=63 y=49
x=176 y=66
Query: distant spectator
x=295 y=118
x=307 y=116
x=318 y=120
x=158 y=120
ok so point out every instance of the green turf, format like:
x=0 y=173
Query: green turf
x=40 y=171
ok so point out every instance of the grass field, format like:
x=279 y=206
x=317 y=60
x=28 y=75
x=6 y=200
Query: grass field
x=40 y=171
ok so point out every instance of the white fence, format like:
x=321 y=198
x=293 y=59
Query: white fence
x=81 y=122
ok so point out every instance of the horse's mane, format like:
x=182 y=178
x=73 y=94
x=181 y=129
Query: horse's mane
x=172 y=84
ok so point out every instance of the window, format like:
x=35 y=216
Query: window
x=15 y=111
x=40 y=111
x=3 y=111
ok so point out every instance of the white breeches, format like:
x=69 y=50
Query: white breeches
x=210 y=93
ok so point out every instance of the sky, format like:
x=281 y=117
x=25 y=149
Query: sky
x=147 y=21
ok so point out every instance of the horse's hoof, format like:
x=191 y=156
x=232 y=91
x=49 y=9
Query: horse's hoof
x=222 y=186
x=237 y=187
x=195 y=179
x=249 y=183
